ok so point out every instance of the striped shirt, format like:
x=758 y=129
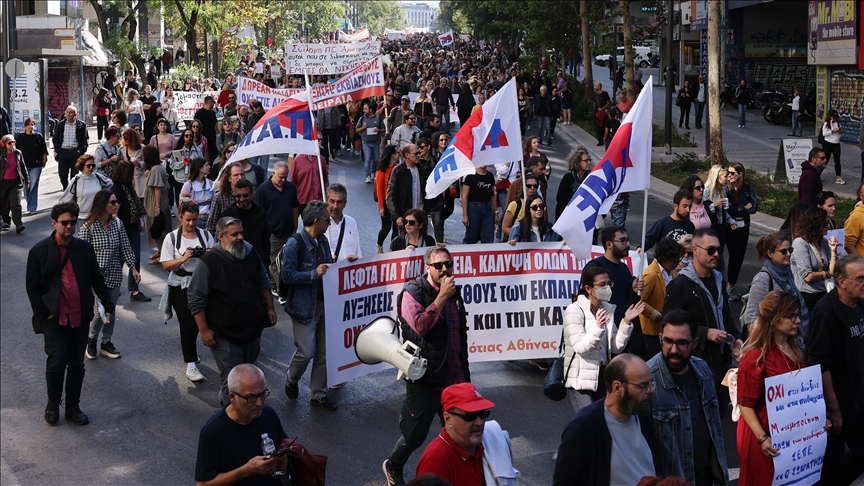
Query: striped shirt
x=110 y=246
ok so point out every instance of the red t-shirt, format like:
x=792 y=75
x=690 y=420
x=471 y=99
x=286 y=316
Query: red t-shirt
x=11 y=172
x=70 y=294
x=451 y=463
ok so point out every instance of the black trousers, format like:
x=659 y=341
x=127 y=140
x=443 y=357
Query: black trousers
x=843 y=467
x=600 y=132
x=388 y=225
x=833 y=149
x=188 y=328
x=66 y=159
x=421 y=405
x=65 y=347
x=101 y=125
x=331 y=141
x=736 y=242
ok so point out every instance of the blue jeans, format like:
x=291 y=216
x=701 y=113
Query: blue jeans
x=742 y=115
x=618 y=211
x=135 y=242
x=134 y=119
x=371 y=154
x=32 y=194
x=481 y=223
x=444 y=113
x=544 y=123
x=700 y=110
x=795 y=127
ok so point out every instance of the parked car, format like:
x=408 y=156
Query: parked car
x=641 y=58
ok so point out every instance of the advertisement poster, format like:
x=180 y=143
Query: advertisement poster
x=847 y=97
x=515 y=298
x=821 y=96
x=248 y=88
x=832 y=32
x=796 y=424
x=26 y=93
x=794 y=152
x=328 y=58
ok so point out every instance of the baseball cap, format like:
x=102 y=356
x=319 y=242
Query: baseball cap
x=464 y=396
x=406 y=98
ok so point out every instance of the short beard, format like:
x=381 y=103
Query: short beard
x=237 y=249
x=631 y=407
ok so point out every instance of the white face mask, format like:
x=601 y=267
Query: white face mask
x=603 y=293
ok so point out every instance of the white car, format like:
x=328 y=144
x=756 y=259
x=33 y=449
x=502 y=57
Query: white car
x=641 y=57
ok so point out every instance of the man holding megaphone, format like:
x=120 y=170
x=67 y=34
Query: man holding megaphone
x=431 y=315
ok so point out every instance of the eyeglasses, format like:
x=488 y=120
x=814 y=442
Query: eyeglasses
x=187 y=136
x=610 y=283
x=688 y=254
x=642 y=386
x=242 y=196
x=531 y=186
x=681 y=343
x=90 y=165
x=196 y=126
x=472 y=416
x=538 y=207
x=410 y=222
x=793 y=317
x=859 y=279
x=711 y=250
x=623 y=240
x=114 y=202
x=786 y=251
x=68 y=222
x=698 y=188
x=254 y=398
x=448 y=264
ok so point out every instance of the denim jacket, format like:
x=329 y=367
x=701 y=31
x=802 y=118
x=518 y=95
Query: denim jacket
x=671 y=412
x=302 y=276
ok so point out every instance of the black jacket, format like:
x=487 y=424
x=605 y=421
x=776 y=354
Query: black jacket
x=585 y=453
x=20 y=167
x=255 y=228
x=399 y=189
x=43 y=278
x=682 y=293
x=543 y=105
x=81 y=135
x=434 y=345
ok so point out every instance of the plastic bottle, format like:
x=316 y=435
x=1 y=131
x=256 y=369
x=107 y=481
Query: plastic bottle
x=268 y=448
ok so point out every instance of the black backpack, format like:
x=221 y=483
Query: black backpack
x=282 y=286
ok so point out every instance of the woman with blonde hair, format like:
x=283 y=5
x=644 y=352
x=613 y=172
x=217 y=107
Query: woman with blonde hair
x=771 y=350
x=714 y=193
x=134 y=108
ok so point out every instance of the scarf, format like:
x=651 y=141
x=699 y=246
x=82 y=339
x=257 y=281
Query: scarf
x=717 y=307
x=577 y=181
x=783 y=276
x=136 y=209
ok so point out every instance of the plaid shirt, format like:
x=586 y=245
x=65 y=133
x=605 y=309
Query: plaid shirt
x=108 y=246
x=70 y=138
x=423 y=320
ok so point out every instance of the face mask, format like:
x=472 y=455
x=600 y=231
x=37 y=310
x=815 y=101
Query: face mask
x=686 y=261
x=603 y=293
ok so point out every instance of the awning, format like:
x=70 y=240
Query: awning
x=93 y=52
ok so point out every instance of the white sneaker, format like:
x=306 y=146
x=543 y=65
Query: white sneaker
x=368 y=179
x=194 y=375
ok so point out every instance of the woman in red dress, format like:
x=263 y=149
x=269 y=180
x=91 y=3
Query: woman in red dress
x=771 y=350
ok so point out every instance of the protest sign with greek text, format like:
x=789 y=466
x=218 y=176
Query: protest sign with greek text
x=188 y=102
x=796 y=424
x=328 y=58
x=248 y=88
x=515 y=298
x=365 y=81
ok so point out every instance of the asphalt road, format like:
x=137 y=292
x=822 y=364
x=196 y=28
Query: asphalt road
x=145 y=416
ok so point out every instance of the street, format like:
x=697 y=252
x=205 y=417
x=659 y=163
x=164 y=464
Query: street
x=145 y=415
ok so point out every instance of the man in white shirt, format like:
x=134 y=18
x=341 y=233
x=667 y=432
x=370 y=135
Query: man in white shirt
x=342 y=233
x=403 y=134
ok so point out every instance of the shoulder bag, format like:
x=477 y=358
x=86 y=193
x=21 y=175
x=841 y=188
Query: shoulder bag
x=554 y=384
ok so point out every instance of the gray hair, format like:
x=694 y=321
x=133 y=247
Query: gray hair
x=224 y=223
x=431 y=252
x=314 y=210
x=243 y=370
x=576 y=156
x=843 y=262
x=338 y=189
x=72 y=107
x=280 y=165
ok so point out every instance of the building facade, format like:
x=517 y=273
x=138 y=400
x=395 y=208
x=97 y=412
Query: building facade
x=419 y=15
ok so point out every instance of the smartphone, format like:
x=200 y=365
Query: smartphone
x=280 y=452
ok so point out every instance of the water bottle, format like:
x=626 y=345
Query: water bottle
x=268 y=448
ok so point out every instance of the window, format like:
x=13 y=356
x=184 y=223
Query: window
x=25 y=7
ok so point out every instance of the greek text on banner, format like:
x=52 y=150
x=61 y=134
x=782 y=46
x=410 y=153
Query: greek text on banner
x=248 y=88
x=328 y=58
x=515 y=298
x=365 y=81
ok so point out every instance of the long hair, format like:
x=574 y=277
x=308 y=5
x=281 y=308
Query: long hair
x=180 y=141
x=123 y=173
x=100 y=203
x=528 y=219
x=712 y=188
x=225 y=180
x=588 y=277
x=386 y=155
x=132 y=139
x=436 y=140
x=527 y=147
x=811 y=224
x=130 y=95
x=774 y=307
x=739 y=182
x=153 y=107
x=150 y=155
x=195 y=166
x=196 y=136
x=575 y=158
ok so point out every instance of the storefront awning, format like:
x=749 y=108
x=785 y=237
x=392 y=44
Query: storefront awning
x=93 y=52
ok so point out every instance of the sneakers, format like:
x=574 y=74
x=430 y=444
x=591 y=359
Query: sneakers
x=379 y=249
x=91 y=349
x=368 y=179
x=140 y=297
x=393 y=478
x=324 y=403
x=194 y=375
x=5 y=227
x=336 y=387
x=109 y=351
x=292 y=390
x=838 y=181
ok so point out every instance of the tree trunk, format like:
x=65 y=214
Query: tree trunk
x=714 y=83
x=135 y=57
x=190 y=22
x=628 y=49
x=587 y=58
x=100 y=18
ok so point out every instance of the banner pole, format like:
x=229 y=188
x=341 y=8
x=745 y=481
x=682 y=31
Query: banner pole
x=312 y=117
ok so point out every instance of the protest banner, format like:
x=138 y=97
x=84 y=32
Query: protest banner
x=358 y=36
x=796 y=424
x=188 y=102
x=446 y=38
x=515 y=297
x=315 y=59
x=365 y=81
x=248 y=88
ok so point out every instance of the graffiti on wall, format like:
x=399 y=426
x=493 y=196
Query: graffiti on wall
x=58 y=91
x=847 y=97
x=779 y=74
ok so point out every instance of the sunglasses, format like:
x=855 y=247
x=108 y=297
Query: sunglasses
x=711 y=250
x=412 y=118
x=187 y=136
x=114 y=202
x=68 y=222
x=472 y=416
x=698 y=188
x=732 y=172
x=532 y=186
x=90 y=165
x=786 y=251
x=440 y=265
x=410 y=222
x=539 y=207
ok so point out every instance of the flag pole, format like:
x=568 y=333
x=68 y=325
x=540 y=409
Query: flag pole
x=312 y=117
x=644 y=257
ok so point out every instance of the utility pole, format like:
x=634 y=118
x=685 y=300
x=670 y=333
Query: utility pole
x=670 y=83
x=714 y=82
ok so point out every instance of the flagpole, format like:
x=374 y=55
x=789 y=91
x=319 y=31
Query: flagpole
x=312 y=117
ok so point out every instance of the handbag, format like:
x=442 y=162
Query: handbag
x=553 y=385
x=678 y=100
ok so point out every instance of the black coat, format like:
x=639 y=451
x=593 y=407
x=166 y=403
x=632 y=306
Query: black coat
x=255 y=228
x=81 y=135
x=43 y=278
x=399 y=190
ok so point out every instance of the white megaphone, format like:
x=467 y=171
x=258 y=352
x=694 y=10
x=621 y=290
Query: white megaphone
x=378 y=342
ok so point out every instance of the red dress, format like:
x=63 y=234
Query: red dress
x=757 y=469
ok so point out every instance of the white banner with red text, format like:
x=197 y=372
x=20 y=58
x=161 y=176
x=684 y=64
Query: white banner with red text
x=365 y=81
x=515 y=298
x=248 y=88
x=188 y=102
x=317 y=59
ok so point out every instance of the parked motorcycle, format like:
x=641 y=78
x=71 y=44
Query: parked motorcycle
x=777 y=108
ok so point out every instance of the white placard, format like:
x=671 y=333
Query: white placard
x=248 y=88
x=328 y=58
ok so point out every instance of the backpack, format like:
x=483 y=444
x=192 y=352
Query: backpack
x=282 y=287
x=746 y=297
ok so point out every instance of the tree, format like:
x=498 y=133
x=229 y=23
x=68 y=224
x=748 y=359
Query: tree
x=187 y=16
x=713 y=95
x=586 y=50
x=122 y=42
x=382 y=14
x=628 y=49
